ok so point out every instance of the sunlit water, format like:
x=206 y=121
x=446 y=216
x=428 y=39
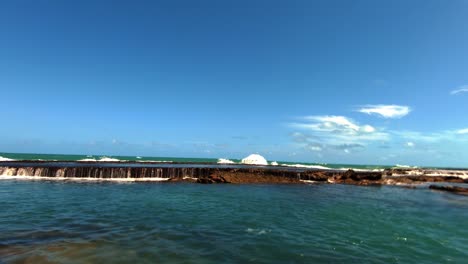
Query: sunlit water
x=189 y=223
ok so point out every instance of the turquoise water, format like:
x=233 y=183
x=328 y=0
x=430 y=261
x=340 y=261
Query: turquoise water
x=63 y=157
x=188 y=223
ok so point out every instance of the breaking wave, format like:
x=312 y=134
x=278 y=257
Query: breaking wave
x=307 y=166
x=225 y=161
x=102 y=159
x=6 y=159
x=87 y=160
x=154 y=161
x=405 y=166
x=107 y=159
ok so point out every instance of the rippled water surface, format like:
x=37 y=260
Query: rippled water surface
x=188 y=223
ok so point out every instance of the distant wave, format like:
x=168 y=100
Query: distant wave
x=138 y=157
x=87 y=160
x=319 y=167
x=356 y=169
x=406 y=166
x=274 y=163
x=6 y=159
x=107 y=159
x=225 y=161
x=102 y=159
x=155 y=161
x=307 y=166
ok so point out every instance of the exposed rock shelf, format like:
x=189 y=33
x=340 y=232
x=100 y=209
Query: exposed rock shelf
x=225 y=175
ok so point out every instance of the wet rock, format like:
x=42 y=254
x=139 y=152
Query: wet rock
x=452 y=189
x=212 y=179
x=360 y=178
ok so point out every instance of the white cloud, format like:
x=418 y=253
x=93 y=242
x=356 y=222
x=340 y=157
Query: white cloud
x=462 y=131
x=336 y=125
x=410 y=144
x=461 y=89
x=314 y=147
x=335 y=130
x=368 y=129
x=386 y=111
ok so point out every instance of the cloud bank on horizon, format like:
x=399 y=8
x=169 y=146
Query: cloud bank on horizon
x=334 y=134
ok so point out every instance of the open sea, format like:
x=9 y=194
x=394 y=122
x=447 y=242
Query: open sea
x=143 y=159
x=75 y=222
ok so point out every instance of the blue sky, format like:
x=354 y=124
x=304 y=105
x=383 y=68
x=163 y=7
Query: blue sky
x=374 y=82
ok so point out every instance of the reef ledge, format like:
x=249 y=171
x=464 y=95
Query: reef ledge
x=208 y=174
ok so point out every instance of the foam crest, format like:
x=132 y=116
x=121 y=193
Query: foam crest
x=5 y=159
x=107 y=159
x=7 y=176
x=254 y=159
x=155 y=161
x=306 y=166
x=405 y=166
x=87 y=160
x=225 y=161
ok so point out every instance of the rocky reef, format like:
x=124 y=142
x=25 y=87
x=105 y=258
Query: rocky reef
x=219 y=174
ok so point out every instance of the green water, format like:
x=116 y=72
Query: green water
x=62 y=157
x=74 y=222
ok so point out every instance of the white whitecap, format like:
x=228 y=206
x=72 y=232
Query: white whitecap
x=307 y=166
x=254 y=159
x=107 y=159
x=225 y=161
x=405 y=166
x=274 y=163
x=5 y=159
x=258 y=231
x=87 y=160
x=155 y=161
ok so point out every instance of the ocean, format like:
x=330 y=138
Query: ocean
x=74 y=222
x=142 y=159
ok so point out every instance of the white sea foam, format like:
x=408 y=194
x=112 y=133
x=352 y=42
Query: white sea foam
x=254 y=159
x=6 y=159
x=274 y=163
x=258 y=231
x=225 y=161
x=308 y=181
x=138 y=157
x=107 y=159
x=363 y=170
x=434 y=173
x=307 y=166
x=87 y=160
x=406 y=166
x=24 y=177
x=155 y=161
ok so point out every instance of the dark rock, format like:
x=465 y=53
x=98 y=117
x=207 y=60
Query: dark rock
x=361 y=178
x=452 y=189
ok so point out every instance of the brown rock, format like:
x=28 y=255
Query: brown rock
x=452 y=189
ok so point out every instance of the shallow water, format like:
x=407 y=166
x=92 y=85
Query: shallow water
x=189 y=223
